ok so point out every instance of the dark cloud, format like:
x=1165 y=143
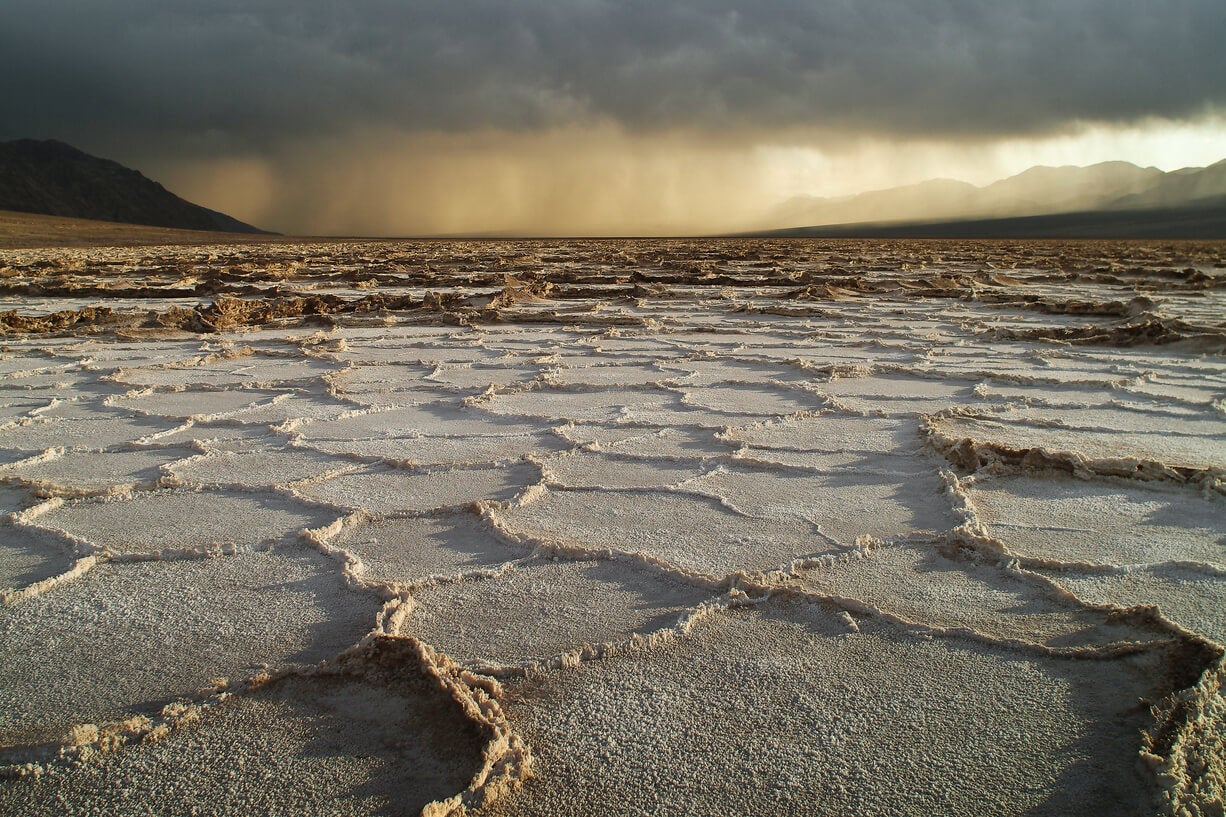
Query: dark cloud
x=227 y=76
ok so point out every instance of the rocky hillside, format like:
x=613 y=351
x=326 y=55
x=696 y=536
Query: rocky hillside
x=55 y=179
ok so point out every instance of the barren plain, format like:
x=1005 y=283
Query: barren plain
x=613 y=527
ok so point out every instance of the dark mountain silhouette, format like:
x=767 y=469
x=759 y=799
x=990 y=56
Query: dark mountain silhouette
x=55 y=179
x=1109 y=187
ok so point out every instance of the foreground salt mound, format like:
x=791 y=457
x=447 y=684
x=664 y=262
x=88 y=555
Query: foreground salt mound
x=370 y=737
x=156 y=632
x=762 y=710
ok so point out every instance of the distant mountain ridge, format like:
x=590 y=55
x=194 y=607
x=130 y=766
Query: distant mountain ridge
x=55 y=179
x=1039 y=191
x=1203 y=220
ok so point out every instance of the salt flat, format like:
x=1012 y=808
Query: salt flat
x=721 y=527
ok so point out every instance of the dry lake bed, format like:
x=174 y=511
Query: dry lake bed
x=613 y=527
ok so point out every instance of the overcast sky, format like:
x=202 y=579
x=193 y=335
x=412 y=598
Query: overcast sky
x=588 y=115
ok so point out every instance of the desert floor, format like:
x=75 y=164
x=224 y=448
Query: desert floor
x=613 y=527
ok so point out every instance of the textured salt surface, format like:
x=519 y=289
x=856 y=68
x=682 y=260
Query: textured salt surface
x=1188 y=597
x=98 y=472
x=842 y=504
x=29 y=556
x=338 y=744
x=581 y=469
x=693 y=533
x=256 y=467
x=155 y=632
x=1068 y=520
x=784 y=710
x=414 y=549
x=39 y=435
x=161 y=521
x=529 y=614
x=614 y=527
x=920 y=583
x=191 y=403
x=383 y=490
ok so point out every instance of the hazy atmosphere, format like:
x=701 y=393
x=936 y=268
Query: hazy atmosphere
x=597 y=117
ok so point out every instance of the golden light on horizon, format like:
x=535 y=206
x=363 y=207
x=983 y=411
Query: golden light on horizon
x=605 y=180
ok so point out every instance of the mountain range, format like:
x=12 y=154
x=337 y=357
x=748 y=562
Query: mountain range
x=55 y=179
x=1107 y=200
x=1114 y=192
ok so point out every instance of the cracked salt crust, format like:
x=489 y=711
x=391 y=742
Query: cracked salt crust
x=534 y=612
x=382 y=490
x=339 y=744
x=416 y=549
x=1070 y=521
x=832 y=528
x=781 y=710
x=582 y=469
x=130 y=638
x=97 y=472
x=694 y=533
x=929 y=582
x=29 y=556
x=169 y=521
x=261 y=467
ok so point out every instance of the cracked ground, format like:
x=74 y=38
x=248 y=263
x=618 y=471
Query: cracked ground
x=599 y=528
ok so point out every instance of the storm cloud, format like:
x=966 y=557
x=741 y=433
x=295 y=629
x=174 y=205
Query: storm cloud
x=247 y=73
x=519 y=112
